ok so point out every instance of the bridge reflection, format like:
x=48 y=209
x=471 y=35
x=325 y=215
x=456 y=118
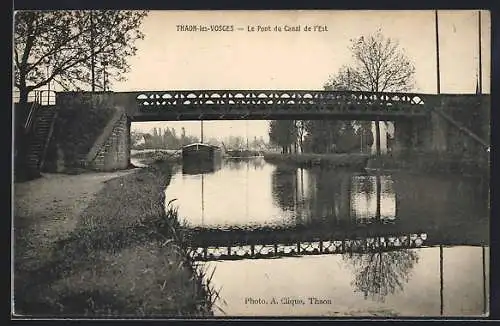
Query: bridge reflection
x=331 y=205
x=299 y=248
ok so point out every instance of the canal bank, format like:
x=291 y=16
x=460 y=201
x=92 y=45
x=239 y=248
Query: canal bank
x=418 y=163
x=101 y=244
x=431 y=163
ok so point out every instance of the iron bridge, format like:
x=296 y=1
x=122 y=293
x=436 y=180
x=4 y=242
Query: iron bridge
x=275 y=104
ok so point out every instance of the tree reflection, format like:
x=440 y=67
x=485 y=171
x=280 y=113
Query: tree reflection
x=378 y=274
x=243 y=163
x=283 y=187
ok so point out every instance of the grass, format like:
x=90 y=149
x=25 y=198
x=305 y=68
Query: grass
x=157 y=156
x=126 y=257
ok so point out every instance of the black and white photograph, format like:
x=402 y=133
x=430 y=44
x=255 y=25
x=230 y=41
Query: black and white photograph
x=250 y=163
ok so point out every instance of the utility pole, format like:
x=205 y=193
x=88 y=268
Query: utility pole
x=201 y=131
x=480 y=61
x=437 y=52
x=92 y=59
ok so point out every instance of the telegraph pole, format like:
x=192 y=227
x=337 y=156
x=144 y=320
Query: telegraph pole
x=92 y=59
x=437 y=53
x=201 y=131
x=480 y=61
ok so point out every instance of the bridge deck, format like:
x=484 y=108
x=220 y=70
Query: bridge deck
x=266 y=104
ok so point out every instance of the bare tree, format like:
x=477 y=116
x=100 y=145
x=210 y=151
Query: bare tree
x=65 y=46
x=380 y=65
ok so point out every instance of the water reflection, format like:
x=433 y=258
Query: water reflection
x=352 y=231
x=379 y=273
x=430 y=282
x=202 y=167
x=373 y=198
x=334 y=196
x=243 y=163
x=250 y=193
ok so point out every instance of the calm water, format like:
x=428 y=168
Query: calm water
x=408 y=245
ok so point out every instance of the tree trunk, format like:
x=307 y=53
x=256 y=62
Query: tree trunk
x=379 y=190
x=377 y=136
x=23 y=96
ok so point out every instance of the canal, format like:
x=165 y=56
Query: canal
x=286 y=241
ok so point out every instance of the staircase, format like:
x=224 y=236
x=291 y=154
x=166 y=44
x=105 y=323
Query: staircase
x=39 y=135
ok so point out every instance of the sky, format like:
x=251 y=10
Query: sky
x=168 y=59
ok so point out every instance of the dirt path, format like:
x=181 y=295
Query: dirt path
x=48 y=208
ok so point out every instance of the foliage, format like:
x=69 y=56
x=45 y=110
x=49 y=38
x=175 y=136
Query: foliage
x=57 y=46
x=283 y=133
x=161 y=138
x=380 y=65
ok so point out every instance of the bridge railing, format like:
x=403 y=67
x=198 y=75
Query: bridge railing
x=270 y=98
x=41 y=97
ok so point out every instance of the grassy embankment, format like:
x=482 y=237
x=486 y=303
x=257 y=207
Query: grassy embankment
x=324 y=160
x=420 y=162
x=126 y=257
x=149 y=156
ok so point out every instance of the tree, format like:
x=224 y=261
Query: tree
x=300 y=126
x=380 y=65
x=323 y=134
x=283 y=133
x=64 y=46
x=136 y=138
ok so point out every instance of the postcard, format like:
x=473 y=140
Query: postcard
x=280 y=163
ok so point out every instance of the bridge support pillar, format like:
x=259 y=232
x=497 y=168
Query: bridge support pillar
x=438 y=130
x=413 y=135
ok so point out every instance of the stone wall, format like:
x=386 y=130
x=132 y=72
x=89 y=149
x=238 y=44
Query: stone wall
x=78 y=131
x=436 y=134
x=471 y=112
x=114 y=154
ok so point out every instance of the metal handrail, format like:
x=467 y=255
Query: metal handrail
x=44 y=97
x=31 y=113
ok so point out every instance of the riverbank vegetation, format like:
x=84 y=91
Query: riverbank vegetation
x=125 y=257
x=156 y=156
